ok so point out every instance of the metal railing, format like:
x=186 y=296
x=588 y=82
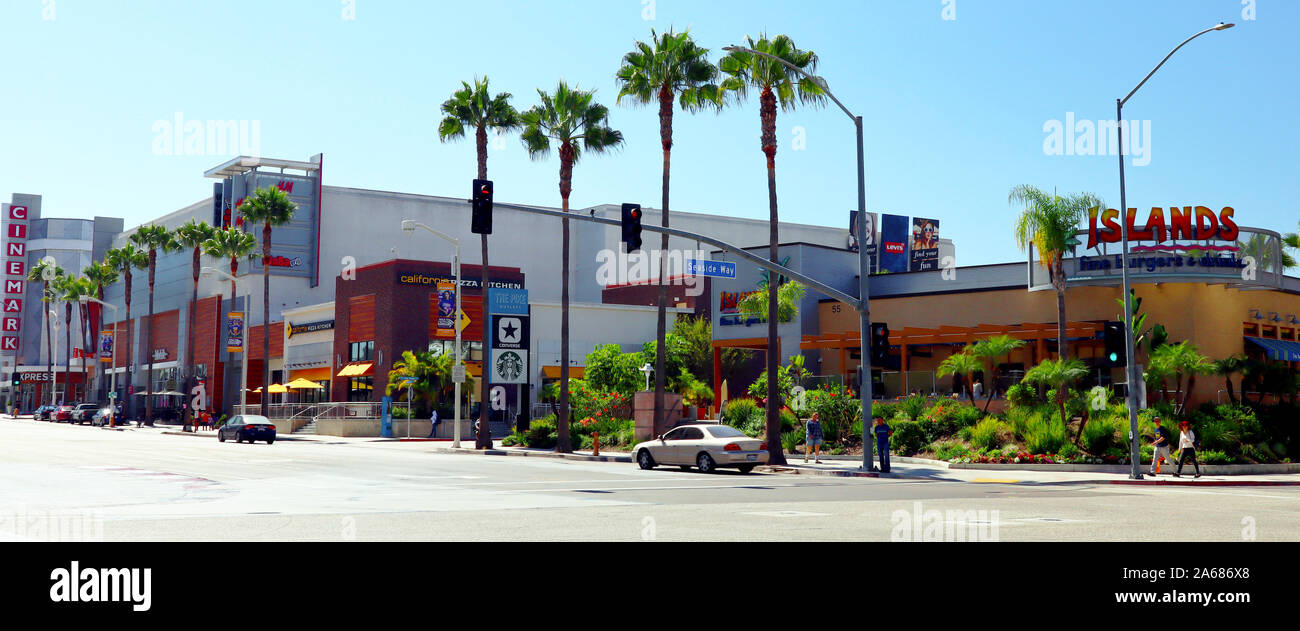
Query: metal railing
x=353 y=410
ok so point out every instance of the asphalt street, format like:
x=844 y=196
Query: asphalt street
x=140 y=485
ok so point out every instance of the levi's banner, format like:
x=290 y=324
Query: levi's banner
x=106 y=346
x=893 y=243
x=235 y=332
x=446 y=309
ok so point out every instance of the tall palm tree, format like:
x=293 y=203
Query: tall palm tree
x=124 y=260
x=1226 y=368
x=100 y=275
x=571 y=118
x=45 y=271
x=1182 y=360
x=67 y=291
x=474 y=107
x=192 y=236
x=230 y=244
x=82 y=288
x=1048 y=222
x=990 y=351
x=1058 y=374
x=152 y=238
x=966 y=364
x=269 y=207
x=418 y=365
x=1291 y=241
x=669 y=68
x=1260 y=246
x=777 y=86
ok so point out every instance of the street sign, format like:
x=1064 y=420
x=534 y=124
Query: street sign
x=458 y=373
x=407 y=380
x=713 y=269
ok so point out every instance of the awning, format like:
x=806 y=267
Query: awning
x=553 y=372
x=1281 y=350
x=301 y=384
x=357 y=369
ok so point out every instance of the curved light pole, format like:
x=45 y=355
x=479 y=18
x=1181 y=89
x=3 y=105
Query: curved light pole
x=409 y=226
x=54 y=375
x=864 y=265
x=1131 y=368
x=112 y=367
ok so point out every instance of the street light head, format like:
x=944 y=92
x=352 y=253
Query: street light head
x=730 y=48
x=408 y=226
x=1223 y=27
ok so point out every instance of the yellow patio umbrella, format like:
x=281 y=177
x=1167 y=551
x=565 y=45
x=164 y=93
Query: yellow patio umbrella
x=301 y=384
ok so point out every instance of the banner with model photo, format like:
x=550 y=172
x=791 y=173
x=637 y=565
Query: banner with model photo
x=106 y=347
x=870 y=236
x=925 y=244
x=235 y=332
x=893 y=243
x=446 y=309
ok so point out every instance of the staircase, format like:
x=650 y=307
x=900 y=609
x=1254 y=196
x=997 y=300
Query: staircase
x=309 y=428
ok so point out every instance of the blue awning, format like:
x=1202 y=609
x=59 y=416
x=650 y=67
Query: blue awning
x=1281 y=350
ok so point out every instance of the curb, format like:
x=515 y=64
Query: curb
x=535 y=454
x=1206 y=483
x=846 y=473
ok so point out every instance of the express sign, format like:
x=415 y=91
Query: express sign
x=1187 y=223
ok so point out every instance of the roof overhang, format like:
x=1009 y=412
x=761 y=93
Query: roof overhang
x=244 y=164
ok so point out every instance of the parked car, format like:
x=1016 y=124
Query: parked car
x=100 y=418
x=706 y=446
x=65 y=412
x=84 y=412
x=44 y=412
x=247 y=427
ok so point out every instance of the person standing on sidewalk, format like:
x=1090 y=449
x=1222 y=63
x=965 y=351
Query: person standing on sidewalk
x=1187 y=445
x=882 y=432
x=433 y=423
x=1160 y=445
x=813 y=438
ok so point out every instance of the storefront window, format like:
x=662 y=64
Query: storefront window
x=359 y=388
x=473 y=350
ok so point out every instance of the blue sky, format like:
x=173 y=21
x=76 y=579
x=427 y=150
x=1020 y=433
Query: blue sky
x=955 y=109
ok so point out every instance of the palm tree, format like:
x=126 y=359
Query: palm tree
x=45 y=272
x=269 y=207
x=1260 y=246
x=1058 y=374
x=1182 y=360
x=422 y=366
x=152 y=238
x=100 y=275
x=671 y=67
x=777 y=86
x=474 y=107
x=1226 y=368
x=230 y=244
x=68 y=292
x=965 y=364
x=1048 y=222
x=192 y=236
x=80 y=289
x=571 y=118
x=124 y=260
x=990 y=351
x=1291 y=241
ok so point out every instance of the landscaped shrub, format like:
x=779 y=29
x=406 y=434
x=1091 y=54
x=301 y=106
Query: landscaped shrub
x=1212 y=456
x=835 y=409
x=1021 y=395
x=738 y=412
x=792 y=439
x=788 y=421
x=886 y=411
x=1067 y=451
x=1101 y=433
x=948 y=450
x=1044 y=433
x=991 y=433
x=908 y=439
x=912 y=407
x=946 y=418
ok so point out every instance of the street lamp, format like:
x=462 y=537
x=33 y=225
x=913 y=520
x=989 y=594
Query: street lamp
x=647 y=370
x=1131 y=369
x=409 y=226
x=54 y=374
x=248 y=298
x=864 y=265
x=112 y=366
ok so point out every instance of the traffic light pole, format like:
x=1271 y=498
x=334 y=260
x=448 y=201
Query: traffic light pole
x=686 y=234
x=864 y=308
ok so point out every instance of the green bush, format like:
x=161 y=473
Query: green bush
x=947 y=418
x=1044 y=433
x=991 y=433
x=788 y=421
x=908 y=439
x=1021 y=395
x=913 y=406
x=886 y=411
x=1213 y=456
x=1067 y=451
x=1101 y=433
x=948 y=450
x=792 y=439
x=739 y=412
x=835 y=409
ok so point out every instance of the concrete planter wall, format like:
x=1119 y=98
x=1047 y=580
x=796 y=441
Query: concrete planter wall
x=1207 y=469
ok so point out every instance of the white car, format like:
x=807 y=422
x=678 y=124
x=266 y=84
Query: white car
x=706 y=446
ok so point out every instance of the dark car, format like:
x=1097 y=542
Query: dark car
x=84 y=413
x=101 y=416
x=64 y=413
x=247 y=427
x=44 y=412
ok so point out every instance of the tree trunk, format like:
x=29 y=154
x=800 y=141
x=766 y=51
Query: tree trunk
x=563 y=444
x=68 y=390
x=1232 y=396
x=993 y=387
x=266 y=320
x=776 y=455
x=661 y=323
x=148 y=387
x=483 y=439
x=189 y=346
x=1063 y=352
x=129 y=377
x=49 y=342
x=85 y=368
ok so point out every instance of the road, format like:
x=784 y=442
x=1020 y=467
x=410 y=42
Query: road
x=140 y=485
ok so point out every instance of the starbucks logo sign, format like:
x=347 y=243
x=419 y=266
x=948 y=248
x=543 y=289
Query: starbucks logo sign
x=510 y=366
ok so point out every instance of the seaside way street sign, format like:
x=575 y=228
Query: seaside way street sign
x=714 y=269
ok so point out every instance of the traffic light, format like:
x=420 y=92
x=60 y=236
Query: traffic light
x=632 y=227
x=18 y=381
x=1116 y=351
x=481 y=223
x=879 y=343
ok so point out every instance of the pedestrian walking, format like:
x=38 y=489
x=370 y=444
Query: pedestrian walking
x=977 y=390
x=813 y=439
x=1164 y=437
x=882 y=432
x=433 y=423
x=1188 y=443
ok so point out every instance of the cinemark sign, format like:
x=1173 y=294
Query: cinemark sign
x=15 y=278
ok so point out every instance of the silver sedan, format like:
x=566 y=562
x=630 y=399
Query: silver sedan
x=706 y=446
